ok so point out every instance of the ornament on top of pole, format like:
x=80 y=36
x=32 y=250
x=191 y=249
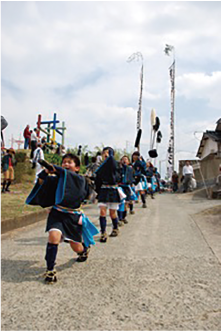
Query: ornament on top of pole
x=168 y=49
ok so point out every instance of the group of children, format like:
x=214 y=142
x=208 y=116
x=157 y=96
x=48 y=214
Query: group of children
x=117 y=185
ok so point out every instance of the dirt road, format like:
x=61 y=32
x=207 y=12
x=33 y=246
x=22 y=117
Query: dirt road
x=161 y=273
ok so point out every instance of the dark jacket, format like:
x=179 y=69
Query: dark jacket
x=5 y=162
x=107 y=173
x=27 y=133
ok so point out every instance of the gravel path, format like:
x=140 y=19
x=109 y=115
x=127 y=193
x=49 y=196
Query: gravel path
x=161 y=273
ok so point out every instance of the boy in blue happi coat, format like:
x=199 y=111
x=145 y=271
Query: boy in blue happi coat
x=109 y=194
x=64 y=189
x=150 y=178
x=126 y=182
x=139 y=165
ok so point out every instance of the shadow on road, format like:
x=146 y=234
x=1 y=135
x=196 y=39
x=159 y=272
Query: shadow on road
x=19 y=271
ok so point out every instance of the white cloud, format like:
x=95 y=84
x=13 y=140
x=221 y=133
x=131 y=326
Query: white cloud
x=202 y=86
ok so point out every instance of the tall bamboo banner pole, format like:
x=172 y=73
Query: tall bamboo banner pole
x=138 y=56
x=171 y=148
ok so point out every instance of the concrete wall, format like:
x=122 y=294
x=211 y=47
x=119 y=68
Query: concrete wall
x=210 y=170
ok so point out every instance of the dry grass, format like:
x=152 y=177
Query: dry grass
x=13 y=203
x=213 y=211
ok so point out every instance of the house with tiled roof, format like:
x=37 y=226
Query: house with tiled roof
x=210 y=143
x=209 y=154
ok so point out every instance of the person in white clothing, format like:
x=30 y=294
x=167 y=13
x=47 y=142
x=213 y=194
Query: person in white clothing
x=188 y=174
x=34 y=141
x=99 y=159
x=37 y=155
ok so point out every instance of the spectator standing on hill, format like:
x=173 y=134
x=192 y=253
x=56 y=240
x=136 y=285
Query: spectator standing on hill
x=86 y=159
x=34 y=141
x=99 y=159
x=8 y=163
x=30 y=147
x=27 y=136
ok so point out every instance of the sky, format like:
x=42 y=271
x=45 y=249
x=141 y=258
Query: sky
x=70 y=58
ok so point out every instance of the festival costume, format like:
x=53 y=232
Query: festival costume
x=126 y=180
x=140 y=170
x=64 y=192
x=8 y=162
x=154 y=183
x=140 y=178
x=107 y=176
x=151 y=181
x=109 y=194
x=157 y=175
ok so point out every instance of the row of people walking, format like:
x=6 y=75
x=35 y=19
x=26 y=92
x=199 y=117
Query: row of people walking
x=116 y=185
x=119 y=185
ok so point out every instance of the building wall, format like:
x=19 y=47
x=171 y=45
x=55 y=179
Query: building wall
x=210 y=169
x=209 y=147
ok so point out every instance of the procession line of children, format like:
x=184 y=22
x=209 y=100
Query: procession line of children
x=63 y=189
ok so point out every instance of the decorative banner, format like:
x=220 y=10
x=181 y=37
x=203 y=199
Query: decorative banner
x=138 y=137
x=138 y=56
x=170 y=152
x=140 y=101
x=170 y=165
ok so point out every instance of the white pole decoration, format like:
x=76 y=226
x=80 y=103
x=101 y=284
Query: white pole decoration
x=171 y=153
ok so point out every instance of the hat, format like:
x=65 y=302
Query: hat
x=11 y=150
x=110 y=149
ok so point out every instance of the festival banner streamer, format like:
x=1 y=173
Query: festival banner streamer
x=170 y=151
